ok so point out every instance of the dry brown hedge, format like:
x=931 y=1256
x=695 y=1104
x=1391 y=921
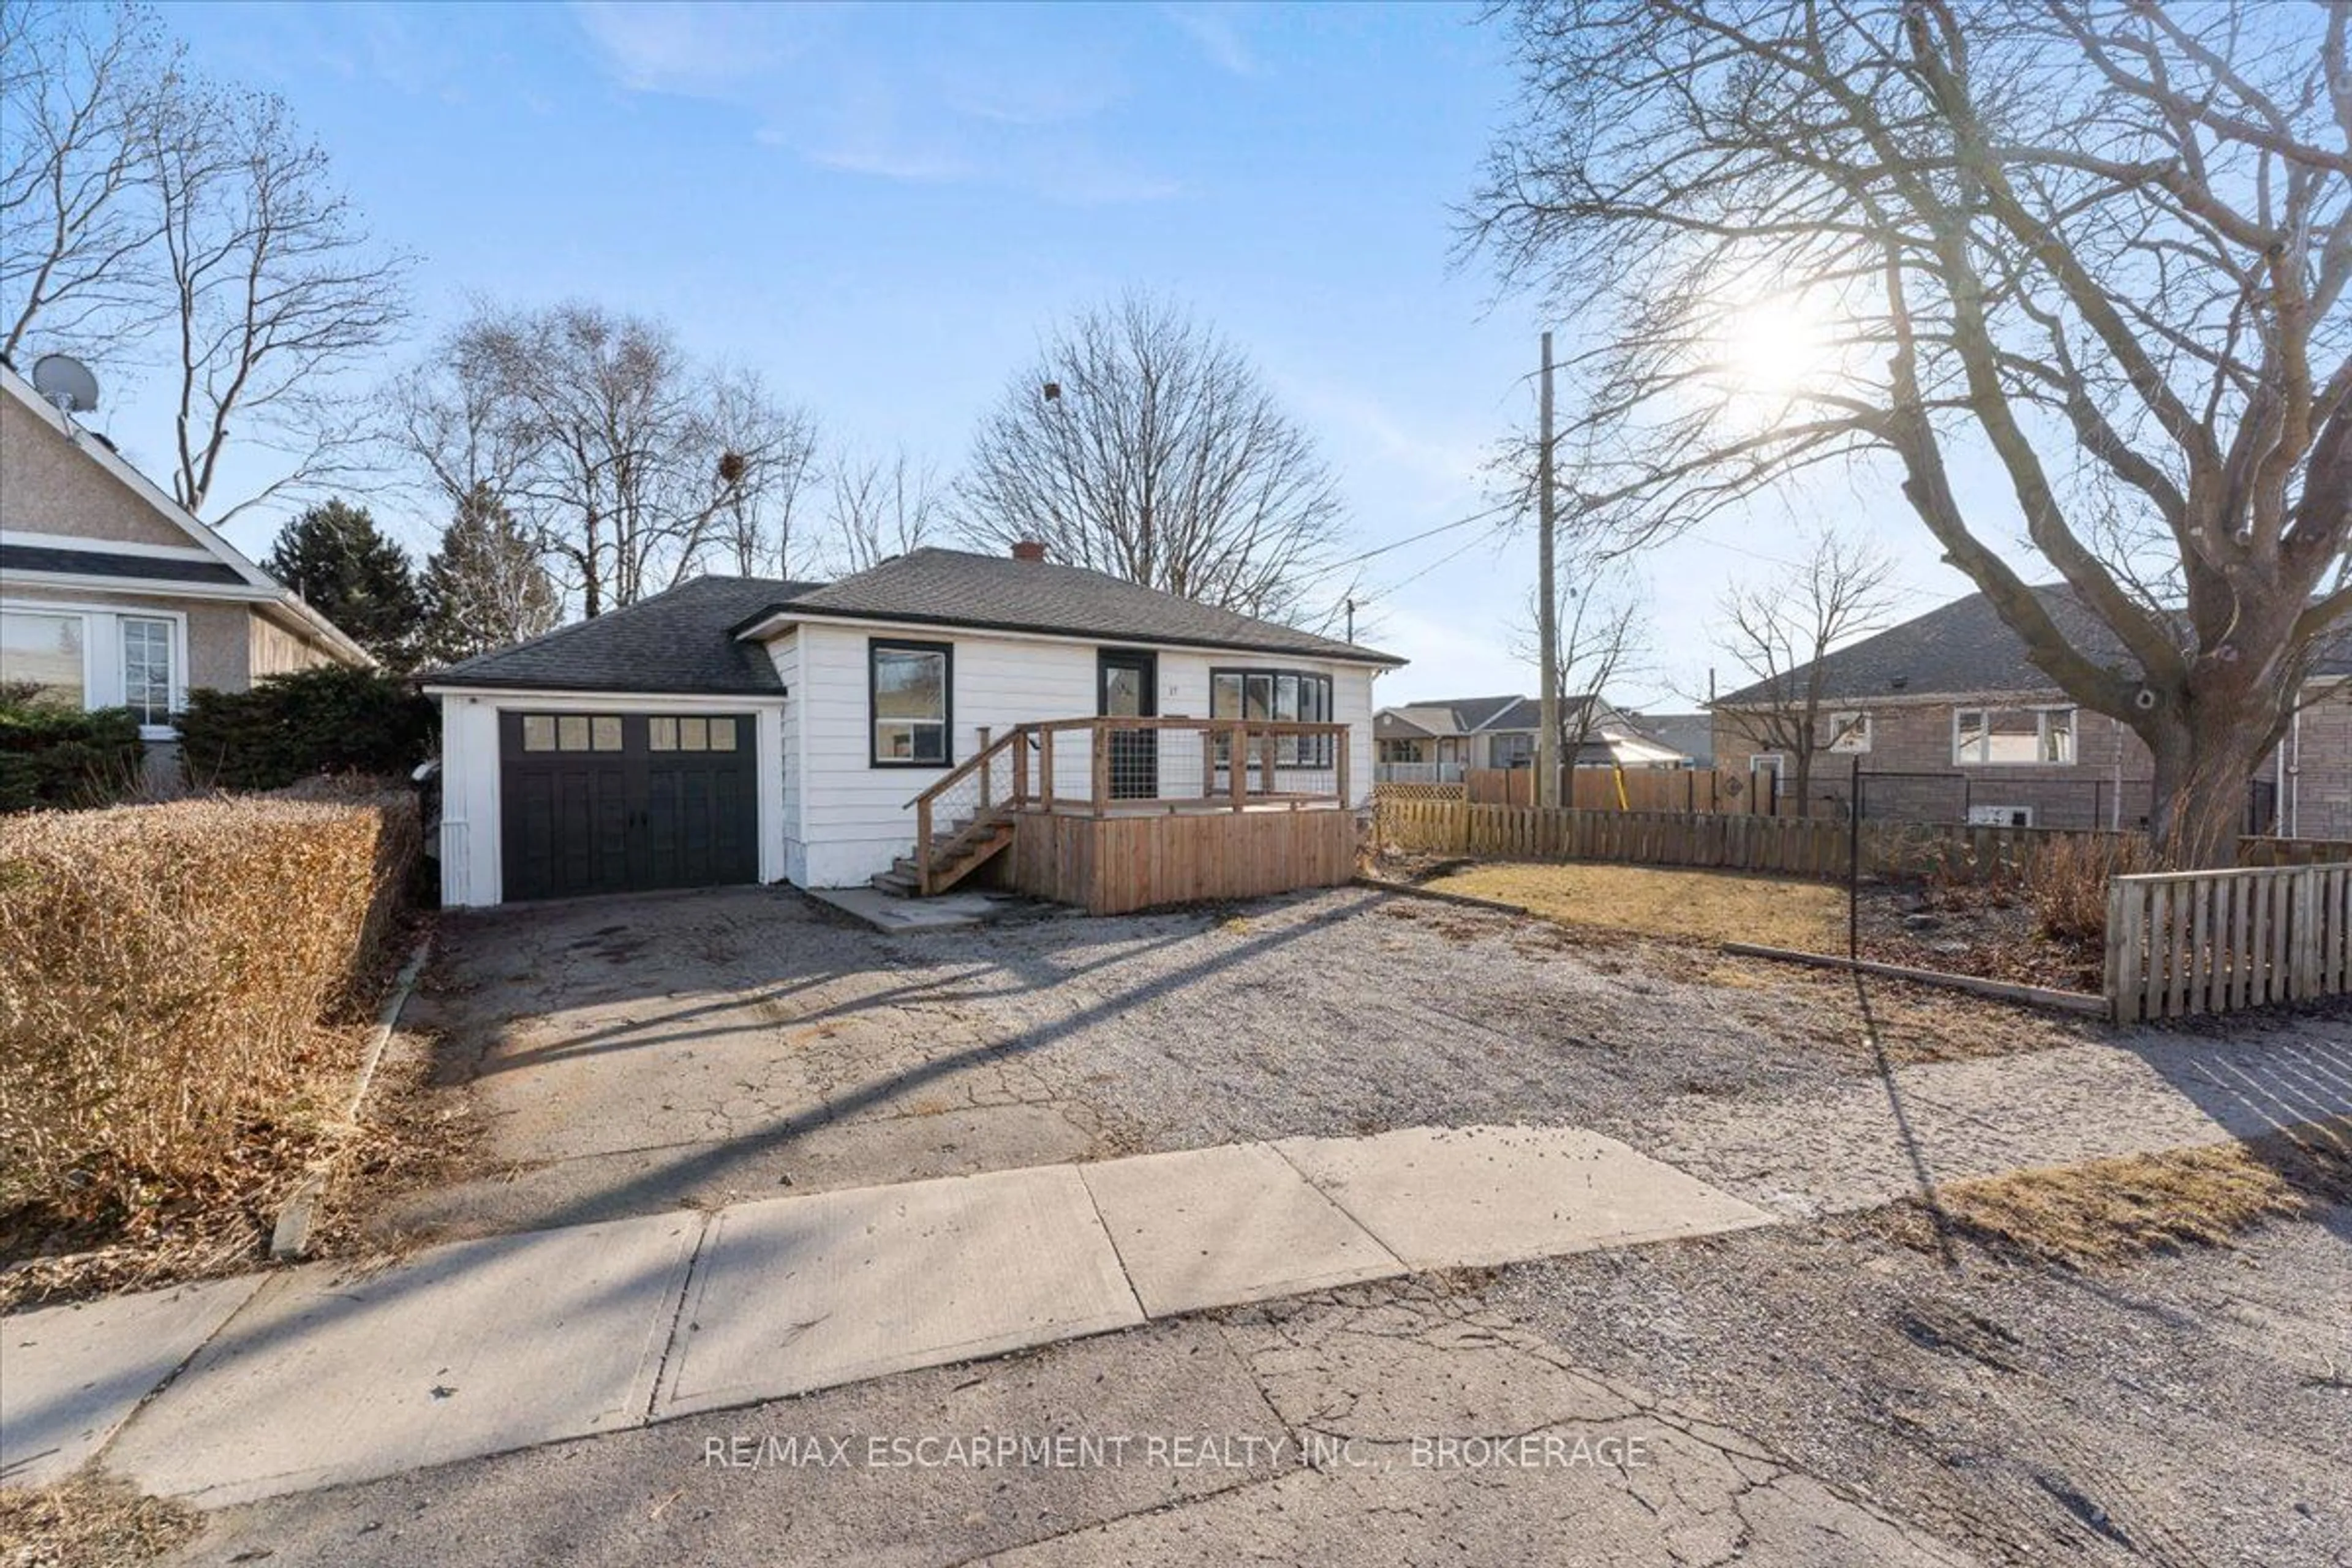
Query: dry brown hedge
x=164 y=972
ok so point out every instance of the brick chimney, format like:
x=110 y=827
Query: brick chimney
x=1028 y=550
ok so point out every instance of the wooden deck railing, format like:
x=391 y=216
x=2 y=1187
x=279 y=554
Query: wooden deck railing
x=1122 y=767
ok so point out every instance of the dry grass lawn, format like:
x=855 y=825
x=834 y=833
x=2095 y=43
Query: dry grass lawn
x=89 y=1522
x=1703 y=906
x=2106 y=1210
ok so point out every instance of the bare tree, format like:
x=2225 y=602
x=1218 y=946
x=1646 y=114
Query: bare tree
x=766 y=464
x=880 y=507
x=1603 y=637
x=2098 y=251
x=633 y=466
x=1777 y=629
x=80 y=85
x=1143 y=444
x=155 y=216
x=276 y=291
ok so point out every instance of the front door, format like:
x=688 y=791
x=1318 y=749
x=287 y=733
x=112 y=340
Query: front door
x=1128 y=688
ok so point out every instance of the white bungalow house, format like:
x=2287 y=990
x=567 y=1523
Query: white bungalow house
x=911 y=724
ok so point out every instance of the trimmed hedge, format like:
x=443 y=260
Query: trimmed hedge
x=164 y=972
x=325 y=720
x=67 y=759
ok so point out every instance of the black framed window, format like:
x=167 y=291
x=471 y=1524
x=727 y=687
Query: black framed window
x=910 y=703
x=1285 y=696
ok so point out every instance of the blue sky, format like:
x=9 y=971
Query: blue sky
x=880 y=207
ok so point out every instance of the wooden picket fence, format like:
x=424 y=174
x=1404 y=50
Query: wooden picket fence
x=1735 y=841
x=2184 y=942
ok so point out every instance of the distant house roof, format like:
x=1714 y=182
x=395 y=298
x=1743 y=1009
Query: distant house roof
x=1447 y=716
x=959 y=588
x=679 y=640
x=1962 y=647
x=1966 y=647
x=1692 y=734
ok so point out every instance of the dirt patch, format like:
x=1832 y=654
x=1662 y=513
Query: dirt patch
x=92 y=1521
x=1994 y=933
x=1706 y=906
x=2104 y=1211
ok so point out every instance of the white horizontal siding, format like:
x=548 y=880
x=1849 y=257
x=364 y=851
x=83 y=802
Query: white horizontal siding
x=784 y=653
x=855 y=817
x=472 y=872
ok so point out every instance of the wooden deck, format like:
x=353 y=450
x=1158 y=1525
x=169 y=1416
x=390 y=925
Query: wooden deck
x=1115 y=815
x=1117 y=863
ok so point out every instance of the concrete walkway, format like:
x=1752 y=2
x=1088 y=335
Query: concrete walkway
x=321 y=1376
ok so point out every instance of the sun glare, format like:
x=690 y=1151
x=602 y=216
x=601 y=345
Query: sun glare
x=1774 y=349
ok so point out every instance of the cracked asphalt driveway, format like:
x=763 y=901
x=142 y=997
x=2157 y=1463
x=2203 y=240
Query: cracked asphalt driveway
x=627 y=1056
x=1814 y=1394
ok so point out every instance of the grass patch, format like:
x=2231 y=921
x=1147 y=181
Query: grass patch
x=2104 y=1211
x=90 y=1518
x=1703 y=906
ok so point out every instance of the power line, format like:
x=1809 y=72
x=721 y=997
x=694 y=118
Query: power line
x=1489 y=513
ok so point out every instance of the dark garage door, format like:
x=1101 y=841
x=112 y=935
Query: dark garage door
x=612 y=803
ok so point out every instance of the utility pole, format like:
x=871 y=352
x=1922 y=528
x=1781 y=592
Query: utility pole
x=1547 y=601
x=1351 y=617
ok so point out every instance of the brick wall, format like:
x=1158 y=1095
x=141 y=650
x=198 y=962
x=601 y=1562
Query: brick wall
x=1910 y=775
x=2315 y=791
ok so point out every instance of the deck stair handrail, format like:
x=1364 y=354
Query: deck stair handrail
x=966 y=816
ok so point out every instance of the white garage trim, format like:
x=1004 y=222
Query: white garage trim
x=471 y=874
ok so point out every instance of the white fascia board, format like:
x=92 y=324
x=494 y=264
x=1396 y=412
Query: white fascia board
x=90 y=546
x=140 y=587
x=567 y=700
x=782 y=621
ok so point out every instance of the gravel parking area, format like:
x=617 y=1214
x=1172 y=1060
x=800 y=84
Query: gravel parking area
x=623 y=1056
x=617 y=1057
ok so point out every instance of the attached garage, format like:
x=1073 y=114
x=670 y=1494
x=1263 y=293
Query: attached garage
x=614 y=802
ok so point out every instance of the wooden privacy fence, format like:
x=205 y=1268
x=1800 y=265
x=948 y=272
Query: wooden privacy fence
x=1735 y=841
x=1607 y=789
x=2180 y=942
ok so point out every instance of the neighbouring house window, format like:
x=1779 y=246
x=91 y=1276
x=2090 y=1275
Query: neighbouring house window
x=1280 y=695
x=147 y=673
x=2012 y=737
x=1849 y=733
x=47 y=653
x=1515 y=749
x=1401 y=751
x=911 y=708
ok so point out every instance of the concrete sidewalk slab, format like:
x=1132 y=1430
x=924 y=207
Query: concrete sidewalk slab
x=470 y=1348
x=1448 y=1197
x=802 y=1293
x=1210 y=1227
x=71 y=1375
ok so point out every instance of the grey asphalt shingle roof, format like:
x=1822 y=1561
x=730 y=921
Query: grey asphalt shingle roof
x=679 y=640
x=933 y=587
x=1962 y=647
x=1448 y=715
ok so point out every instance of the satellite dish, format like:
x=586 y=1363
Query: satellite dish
x=66 y=382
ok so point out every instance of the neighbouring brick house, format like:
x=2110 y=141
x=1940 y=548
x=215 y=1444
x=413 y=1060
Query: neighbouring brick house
x=1951 y=721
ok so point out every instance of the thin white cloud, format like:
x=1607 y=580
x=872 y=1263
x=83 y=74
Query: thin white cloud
x=927 y=96
x=1215 y=30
